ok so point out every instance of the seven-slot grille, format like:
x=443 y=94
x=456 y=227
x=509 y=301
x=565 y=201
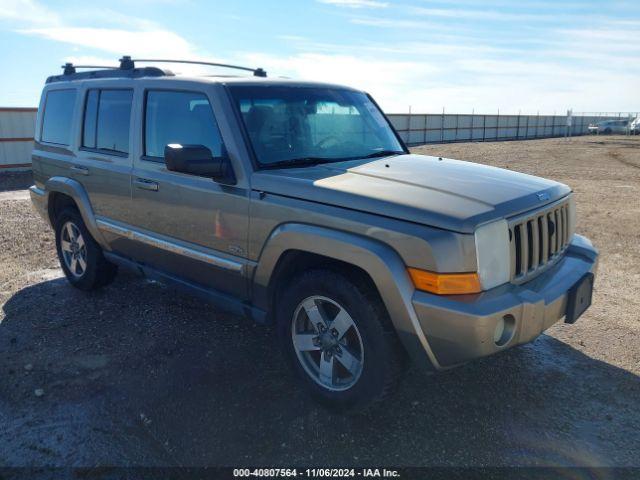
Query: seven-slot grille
x=538 y=240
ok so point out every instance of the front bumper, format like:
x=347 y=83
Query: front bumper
x=461 y=328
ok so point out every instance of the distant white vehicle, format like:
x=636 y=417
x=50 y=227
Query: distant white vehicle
x=609 y=126
x=634 y=127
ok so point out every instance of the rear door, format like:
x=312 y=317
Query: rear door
x=194 y=227
x=103 y=163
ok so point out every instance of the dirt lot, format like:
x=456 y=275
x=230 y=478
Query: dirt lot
x=139 y=375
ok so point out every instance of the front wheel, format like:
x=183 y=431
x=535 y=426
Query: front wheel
x=337 y=337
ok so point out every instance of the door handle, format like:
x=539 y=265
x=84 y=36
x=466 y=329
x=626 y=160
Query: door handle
x=79 y=169
x=145 y=184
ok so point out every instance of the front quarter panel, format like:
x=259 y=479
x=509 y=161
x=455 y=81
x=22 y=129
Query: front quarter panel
x=419 y=246
x=386 y=268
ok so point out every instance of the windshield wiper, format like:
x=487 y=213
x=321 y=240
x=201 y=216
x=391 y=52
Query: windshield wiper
x=299 y=162
x=383 y=153
x=309 y=161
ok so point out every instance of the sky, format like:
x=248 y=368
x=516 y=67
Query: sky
x=461 y=55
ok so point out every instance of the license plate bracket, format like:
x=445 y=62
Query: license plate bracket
x=579 y=298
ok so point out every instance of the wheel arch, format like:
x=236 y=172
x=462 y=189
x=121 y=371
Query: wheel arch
x=370 y=259
x=62 y=192
x=294 y=262
x=58 y=201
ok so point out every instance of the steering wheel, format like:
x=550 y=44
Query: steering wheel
x=321 y=143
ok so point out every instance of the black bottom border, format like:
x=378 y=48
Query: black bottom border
x=430 y=473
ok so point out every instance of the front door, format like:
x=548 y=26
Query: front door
x=194 y=227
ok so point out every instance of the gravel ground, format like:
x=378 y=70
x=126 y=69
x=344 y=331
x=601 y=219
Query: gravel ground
x=137 y=374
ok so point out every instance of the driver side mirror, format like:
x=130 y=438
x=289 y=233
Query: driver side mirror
x=194 y=159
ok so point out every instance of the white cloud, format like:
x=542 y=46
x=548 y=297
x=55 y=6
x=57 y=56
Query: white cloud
x=138 y=43
x=387 y=80
x=356 y=3
x=92 y=60
x=486 y=14
x=27 y=11
x=423 y=25
x=587 y=67
x=468 y=79
x=130 y=35
x=133 y=36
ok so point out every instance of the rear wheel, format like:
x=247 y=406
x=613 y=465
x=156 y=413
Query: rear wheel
x=80 y=256
x=336 y=335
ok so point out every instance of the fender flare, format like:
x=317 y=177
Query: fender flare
x=77 y=192
x=382 y=263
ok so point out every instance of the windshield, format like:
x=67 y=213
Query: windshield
x=307 y=125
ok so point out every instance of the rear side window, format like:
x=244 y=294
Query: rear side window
x=179 y=117
x=58 y=116
x=107 y=117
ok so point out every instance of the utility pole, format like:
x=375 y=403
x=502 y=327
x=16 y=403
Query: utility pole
x=569 y=123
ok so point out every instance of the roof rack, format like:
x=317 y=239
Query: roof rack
x=258 y=72
x=127 y=69
x=70 y=68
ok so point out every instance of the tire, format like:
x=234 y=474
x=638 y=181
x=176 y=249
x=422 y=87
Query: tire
x=356 y=326
x=80 y=256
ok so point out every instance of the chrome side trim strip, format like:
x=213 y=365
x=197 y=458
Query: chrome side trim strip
x=170 y=246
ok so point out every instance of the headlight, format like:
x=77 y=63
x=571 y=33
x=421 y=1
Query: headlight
x=492 y=253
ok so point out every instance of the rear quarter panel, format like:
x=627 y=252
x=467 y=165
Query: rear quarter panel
x=50 y=160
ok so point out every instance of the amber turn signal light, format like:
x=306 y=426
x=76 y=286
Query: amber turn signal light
x=445 y=283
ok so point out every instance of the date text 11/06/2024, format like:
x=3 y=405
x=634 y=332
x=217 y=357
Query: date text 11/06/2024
x=316 y=472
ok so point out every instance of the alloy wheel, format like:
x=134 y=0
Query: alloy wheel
x=327 y=343
x=74 y=249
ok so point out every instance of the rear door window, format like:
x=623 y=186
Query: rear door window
x=89 y=129
x=58 y=116
x=107 y=118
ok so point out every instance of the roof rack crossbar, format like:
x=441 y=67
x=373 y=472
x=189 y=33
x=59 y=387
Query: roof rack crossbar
x=70 y=68
x=258 y=72
x=70 y=73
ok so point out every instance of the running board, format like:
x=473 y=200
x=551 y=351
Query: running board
x=224 y=301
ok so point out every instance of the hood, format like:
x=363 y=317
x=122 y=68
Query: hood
x=444 y=193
